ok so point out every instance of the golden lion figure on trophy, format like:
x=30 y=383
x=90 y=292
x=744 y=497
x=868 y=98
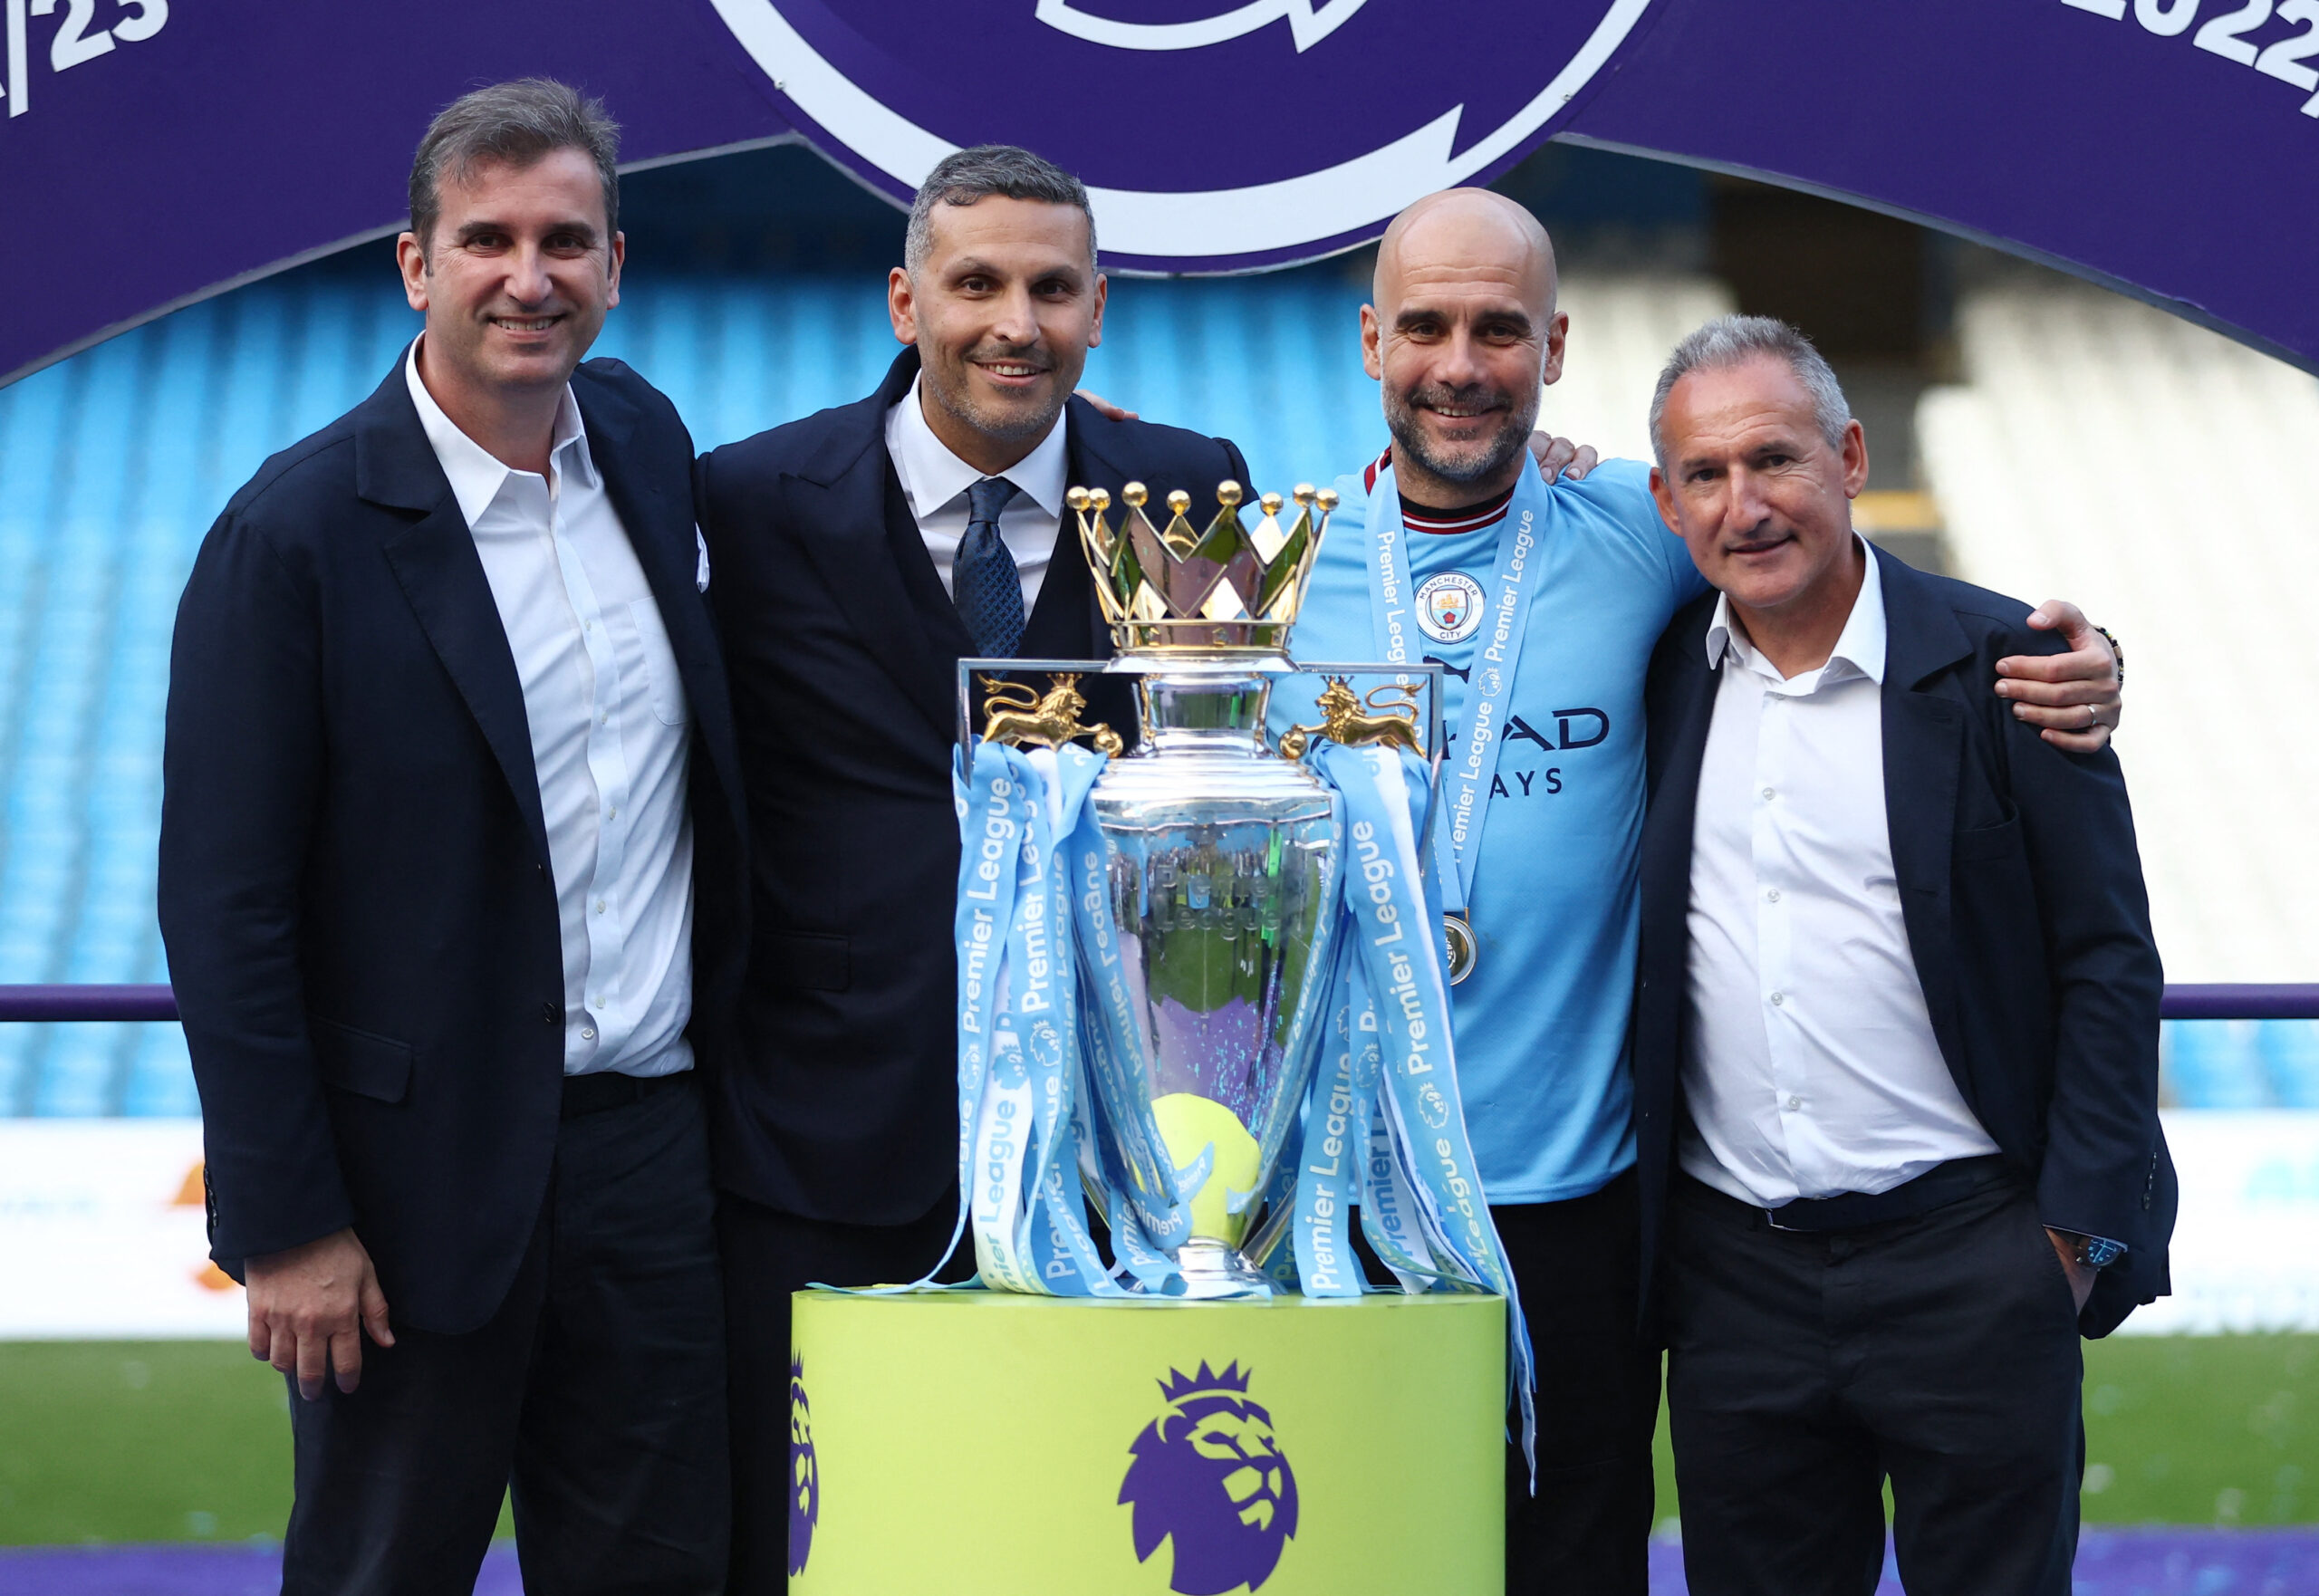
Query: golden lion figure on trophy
x=1014 y=714
x=1393 y=723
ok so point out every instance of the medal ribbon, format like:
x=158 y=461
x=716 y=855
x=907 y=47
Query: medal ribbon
x=1472 y=767
x=1390 y=909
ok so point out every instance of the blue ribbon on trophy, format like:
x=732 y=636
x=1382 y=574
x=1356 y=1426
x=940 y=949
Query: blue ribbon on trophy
x=1205 y=985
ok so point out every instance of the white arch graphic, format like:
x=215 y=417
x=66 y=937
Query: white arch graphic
x=1309 y=22
x=1218 y=225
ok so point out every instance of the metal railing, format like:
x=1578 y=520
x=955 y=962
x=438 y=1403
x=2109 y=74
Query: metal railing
x=2226 y=1002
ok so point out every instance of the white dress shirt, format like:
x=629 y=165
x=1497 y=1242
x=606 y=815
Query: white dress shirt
x=1810 y=1067
x=610 y=730
x=935 y=481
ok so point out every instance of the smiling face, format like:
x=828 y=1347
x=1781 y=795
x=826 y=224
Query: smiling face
x=1003 y=311
x=1462 y=335
x=516 y=278
x=1761 y=497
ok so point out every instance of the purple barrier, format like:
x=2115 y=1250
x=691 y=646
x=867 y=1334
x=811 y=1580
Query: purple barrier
x=87 y=1002
x=157 y=1003
x=2241 y=1002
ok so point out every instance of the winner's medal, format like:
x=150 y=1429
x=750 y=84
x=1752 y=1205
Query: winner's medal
x=1463 y=949
x=1498 y=619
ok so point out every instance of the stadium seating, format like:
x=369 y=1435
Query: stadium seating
x=2161 y=474
x=117 y=460
x=2094 y=444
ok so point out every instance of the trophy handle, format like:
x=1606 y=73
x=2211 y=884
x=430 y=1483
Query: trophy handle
x=1387 y=715
x=1018 y=715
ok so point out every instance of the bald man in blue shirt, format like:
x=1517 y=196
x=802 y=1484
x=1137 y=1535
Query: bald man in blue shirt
x=1543 y=600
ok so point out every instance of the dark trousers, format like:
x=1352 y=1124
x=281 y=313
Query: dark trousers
x=597 y=1390
x=768 y=1254
x=1577 y=1266
x=1804 y=1370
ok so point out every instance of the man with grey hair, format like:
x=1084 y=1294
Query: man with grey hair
x=450 y=843
x=1896 y=1032
x=1543 y=602
x=860 y=554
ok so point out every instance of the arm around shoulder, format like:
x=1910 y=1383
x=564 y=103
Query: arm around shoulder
x=2103 y=1137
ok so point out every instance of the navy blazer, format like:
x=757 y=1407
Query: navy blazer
x=2022 y=893
x=842 y=650
x=355 y=887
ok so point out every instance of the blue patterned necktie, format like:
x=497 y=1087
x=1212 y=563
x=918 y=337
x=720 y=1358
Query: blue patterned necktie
x=983 y=577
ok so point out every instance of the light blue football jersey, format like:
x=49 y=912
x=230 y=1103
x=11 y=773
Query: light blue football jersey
x=1542 y=1022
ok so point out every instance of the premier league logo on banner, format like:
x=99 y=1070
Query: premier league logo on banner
x=1208 y=1475
x=1213 y=135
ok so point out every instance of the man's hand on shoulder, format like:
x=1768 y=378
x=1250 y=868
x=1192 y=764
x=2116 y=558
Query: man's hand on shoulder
x=308 y=1307
x=1105 y=408
x=1559 y=457
x=2075 y=700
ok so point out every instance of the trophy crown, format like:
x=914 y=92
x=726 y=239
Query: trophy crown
x=1175 y=585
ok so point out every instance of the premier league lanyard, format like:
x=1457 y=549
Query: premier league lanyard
x=1497 y=654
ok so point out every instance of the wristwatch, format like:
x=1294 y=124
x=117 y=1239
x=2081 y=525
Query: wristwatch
x=2095 y=1252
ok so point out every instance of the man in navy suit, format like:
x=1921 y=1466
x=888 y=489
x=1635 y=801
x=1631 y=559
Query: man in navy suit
x=860 y=554
x=1896 y=1042
x=450 y=858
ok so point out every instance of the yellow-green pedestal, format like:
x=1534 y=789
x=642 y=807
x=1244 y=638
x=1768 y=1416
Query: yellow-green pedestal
x=964 y=1443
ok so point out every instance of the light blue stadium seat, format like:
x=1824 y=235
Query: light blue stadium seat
x=2214 y=1064
x=2290 y=1054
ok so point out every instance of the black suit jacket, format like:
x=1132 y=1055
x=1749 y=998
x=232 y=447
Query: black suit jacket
x=843 y=649
x=2022 y=892
x=355 y=887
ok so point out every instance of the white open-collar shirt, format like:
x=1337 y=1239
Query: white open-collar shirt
x=935 y=481
x=610 y=733
x=1810 y=1066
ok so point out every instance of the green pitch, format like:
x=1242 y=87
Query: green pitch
x=189 y=1440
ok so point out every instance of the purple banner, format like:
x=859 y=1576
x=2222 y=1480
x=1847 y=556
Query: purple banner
x=148 y=155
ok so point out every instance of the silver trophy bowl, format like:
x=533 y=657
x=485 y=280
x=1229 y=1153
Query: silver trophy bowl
x=1223 y=868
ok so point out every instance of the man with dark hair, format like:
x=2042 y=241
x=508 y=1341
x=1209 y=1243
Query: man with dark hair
x=860 y=553
x=450 y=848
x=1896 y=1036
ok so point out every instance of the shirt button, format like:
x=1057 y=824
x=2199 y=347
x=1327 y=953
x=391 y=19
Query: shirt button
x=599 y=903
x=588 y=1033
x=1771 y=895
x=1794 y=1104
x=1767 y=792
x=1778 y=998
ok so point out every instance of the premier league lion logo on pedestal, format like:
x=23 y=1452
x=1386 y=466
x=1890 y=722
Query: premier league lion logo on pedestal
x=805 y=1473
x=1208 y=1475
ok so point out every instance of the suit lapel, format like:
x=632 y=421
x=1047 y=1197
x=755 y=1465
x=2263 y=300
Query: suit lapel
x=1924 y=734
x=1067 y=623
x=660 y=527
x=433 y=560
x=859 y=555
x=1675 y=795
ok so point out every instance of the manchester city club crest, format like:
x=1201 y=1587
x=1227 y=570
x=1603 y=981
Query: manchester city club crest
x=1230 y=167
x=1449 y=607
x=1209 y=1477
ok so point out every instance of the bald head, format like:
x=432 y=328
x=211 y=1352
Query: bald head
x=1468 y=233
x=1463 y=336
